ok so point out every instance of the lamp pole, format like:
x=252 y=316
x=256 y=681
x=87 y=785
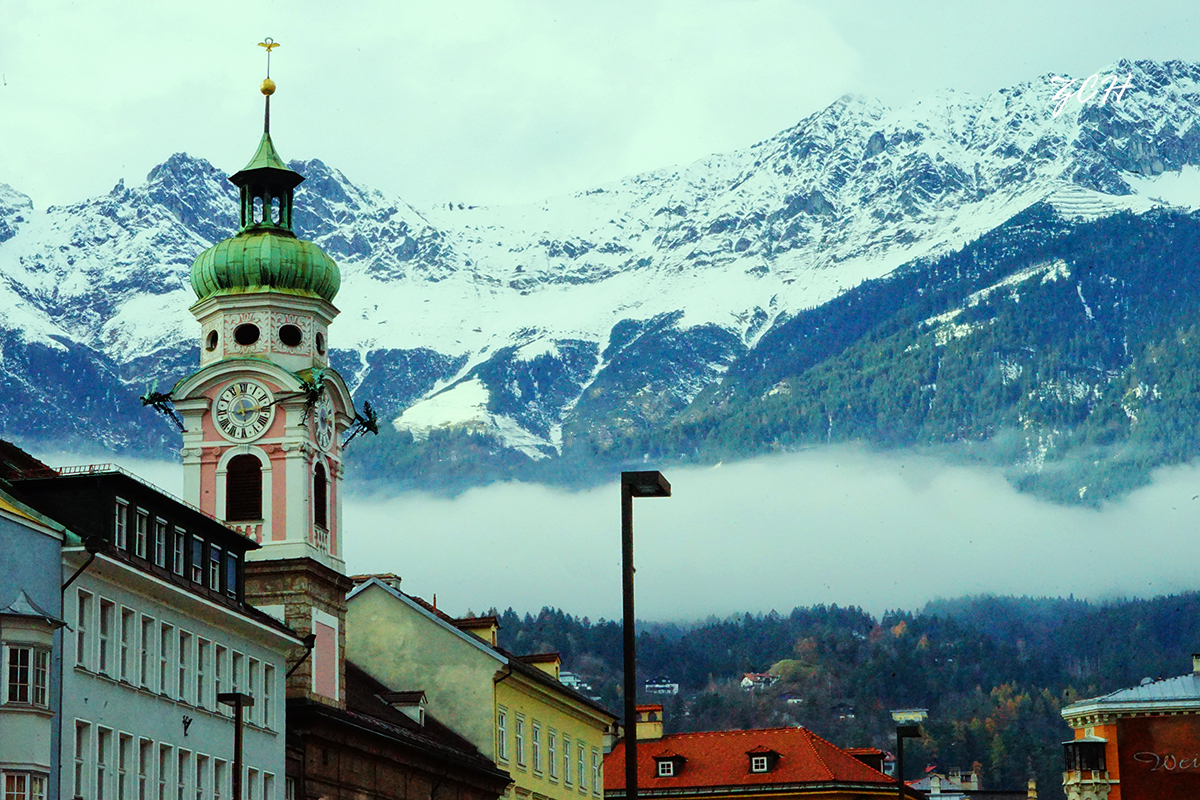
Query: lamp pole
x=239 y=701
x=908 y=726
x=633 y=484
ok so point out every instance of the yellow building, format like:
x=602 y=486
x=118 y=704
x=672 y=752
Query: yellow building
x=547 y=736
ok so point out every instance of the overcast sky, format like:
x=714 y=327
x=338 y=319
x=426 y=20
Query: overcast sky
x=494 y=101
x=502 y=101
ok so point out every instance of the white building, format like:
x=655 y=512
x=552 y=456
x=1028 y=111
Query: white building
x=158 y=627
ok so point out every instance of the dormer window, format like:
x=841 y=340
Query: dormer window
x=762 y=759
x=669 y=765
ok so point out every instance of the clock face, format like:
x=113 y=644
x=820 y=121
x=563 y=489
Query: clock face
x=324 y=422
x=243 y=411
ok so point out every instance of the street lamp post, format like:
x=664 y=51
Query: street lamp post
x=908 y=726
x=633 y=484
x=239 y=701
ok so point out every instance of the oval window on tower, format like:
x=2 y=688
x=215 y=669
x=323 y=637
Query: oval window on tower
x=290 y=335
x=210 y=343
x=246 y=334
x=321 y=343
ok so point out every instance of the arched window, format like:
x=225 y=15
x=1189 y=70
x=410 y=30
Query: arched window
x=320 y=495
x=243 y=489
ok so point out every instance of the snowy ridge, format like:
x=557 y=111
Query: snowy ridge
x=522 y=317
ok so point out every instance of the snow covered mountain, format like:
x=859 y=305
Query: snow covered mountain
x=587 y=317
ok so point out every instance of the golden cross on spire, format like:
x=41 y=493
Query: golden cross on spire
x=268 y=85
x=270 y=44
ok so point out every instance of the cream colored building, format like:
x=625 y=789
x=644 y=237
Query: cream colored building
x=548 y=737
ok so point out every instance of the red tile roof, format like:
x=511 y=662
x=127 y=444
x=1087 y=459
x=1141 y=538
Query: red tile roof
x=720 y=758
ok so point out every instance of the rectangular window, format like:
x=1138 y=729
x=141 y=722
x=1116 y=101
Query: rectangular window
x=238 y=672
x=502 y=734
x=579 y=766
x=39 y=676
x=253 y=792
x=178 y=551
x=219 y=670
x=128 y=632
x=121 y=525
x=24 y=786
x=203 y=652
x=107 y=612
x=20 y=674
x=519 y=739
x=268 y=786
x=83 y=735
x=83 y=621
x=214 y=568
x=231 y=575
x=220 y=773
x=124 y=762
x=146 y=654
x=268 y=693
x=166 y=642
x=197 y=559
x=164 y=770
x=566 y=760
x=597 y=781
x=145 y=754
x=185 y=657
x=103 y=755
x=160 y=541
x=666 y=769
x=537 y=746
x=181 y=773
x=252 y=689
x=141 y=532
x=201 y=776
x=552 y=753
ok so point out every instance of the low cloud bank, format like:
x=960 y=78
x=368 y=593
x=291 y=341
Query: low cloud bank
x=828 y=525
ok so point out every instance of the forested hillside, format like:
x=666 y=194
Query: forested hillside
x=993 y=671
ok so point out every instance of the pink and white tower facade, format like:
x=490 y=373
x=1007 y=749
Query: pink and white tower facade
x=265 y=414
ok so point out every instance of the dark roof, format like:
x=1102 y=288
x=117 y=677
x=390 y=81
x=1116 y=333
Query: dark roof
x=15 y=462
x=365 y=706
x=720 y=759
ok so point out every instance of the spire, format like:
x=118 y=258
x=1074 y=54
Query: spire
x=266 y=183
x=266 y=254
x=268 y=85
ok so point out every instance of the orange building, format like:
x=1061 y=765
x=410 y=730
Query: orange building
x=736 y=765
x=1142 y=742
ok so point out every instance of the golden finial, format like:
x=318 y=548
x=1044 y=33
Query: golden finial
x=268 y=85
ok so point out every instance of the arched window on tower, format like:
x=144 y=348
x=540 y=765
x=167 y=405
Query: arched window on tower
x=320 y=497
x=243 y=489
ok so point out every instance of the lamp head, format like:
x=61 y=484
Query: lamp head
x=646 y=484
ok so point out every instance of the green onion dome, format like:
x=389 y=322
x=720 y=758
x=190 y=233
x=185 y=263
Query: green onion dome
x=266 y=255
x=265 y=258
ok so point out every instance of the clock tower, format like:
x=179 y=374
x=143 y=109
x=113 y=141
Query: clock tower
x=264 y=414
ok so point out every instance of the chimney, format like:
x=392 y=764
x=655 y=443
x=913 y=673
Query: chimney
x=390 y=578
x=1031 y=791
x=482 y=627
x=649 y=722
x=1196 y=663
